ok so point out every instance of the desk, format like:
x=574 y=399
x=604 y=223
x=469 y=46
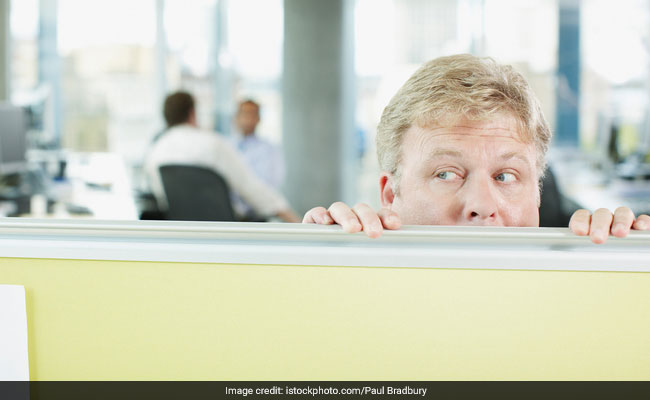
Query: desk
x=101 y=183
x=632 y=194
x=169 y=300
x=591 y=188
x=97 y=185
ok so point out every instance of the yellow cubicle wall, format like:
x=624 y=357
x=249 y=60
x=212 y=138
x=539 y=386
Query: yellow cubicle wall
x=114 y=320
x=157 y=320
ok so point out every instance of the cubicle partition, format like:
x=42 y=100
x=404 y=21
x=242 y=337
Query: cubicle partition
x=228 y=301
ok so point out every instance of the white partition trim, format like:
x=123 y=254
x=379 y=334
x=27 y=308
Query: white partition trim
x=298 y=244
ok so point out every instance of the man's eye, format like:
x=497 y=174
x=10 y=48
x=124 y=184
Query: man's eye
x=447 y=175
x=506 y=177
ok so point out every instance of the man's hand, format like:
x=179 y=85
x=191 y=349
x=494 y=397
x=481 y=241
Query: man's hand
x=355 y=219
x=288 y=216
x=599 y=225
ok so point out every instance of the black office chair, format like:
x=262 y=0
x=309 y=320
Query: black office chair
x=555 y=210
x=196 y=194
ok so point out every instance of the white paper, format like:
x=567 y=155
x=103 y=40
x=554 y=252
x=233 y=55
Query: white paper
x=14 y=363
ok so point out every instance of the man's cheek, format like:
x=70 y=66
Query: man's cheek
x=523 y=214
x=416 y=211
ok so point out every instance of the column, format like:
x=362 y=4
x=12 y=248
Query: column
x=568 y=75
x=318 y=102
x=5 y=59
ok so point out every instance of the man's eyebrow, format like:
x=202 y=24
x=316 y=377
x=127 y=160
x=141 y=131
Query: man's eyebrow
x=439 y=153
x=445 y=153
x=514 y=154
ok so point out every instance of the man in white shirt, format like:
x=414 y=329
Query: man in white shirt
x=183 y=143
x=262 y=156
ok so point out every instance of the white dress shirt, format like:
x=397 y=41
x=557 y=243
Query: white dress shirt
x=187 y=145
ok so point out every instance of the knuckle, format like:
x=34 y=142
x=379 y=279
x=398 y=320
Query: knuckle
x=582 y=213
x=602 y=211
x=623 y=212
x=579 y=218
x=352 y=226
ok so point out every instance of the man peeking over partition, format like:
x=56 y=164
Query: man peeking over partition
x=463 y=142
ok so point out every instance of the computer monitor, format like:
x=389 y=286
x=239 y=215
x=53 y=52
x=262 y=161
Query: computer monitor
x=13 y=140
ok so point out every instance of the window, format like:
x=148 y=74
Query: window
x=394 y=37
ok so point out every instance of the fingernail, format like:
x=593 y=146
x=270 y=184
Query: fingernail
x=641 y=225
x=582 y=229
x=327 y=219
x=618 y=227
x=373 y=233
x=598 y=234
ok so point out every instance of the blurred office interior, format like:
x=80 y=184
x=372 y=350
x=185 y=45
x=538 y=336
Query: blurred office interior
x=89 y=77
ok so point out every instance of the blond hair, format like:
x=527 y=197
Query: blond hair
x=460 y=86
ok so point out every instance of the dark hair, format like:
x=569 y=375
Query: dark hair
x=249 y=101
x=178 y=107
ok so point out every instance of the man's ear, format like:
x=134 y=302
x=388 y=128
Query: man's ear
x=192 y=118
x=538 y=195
x=387 y=194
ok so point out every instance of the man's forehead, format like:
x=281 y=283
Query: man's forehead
x=464 y=139
x=500 y=138
x=248 y=107
x=501 y=126
x=505 y=155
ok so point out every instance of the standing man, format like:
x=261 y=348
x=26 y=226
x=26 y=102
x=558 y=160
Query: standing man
x=263 y=157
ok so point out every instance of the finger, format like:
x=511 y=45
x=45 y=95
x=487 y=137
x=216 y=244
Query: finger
x=318 y=215
x=369 y=220
x=389 y=218
x=623 y=220
x=642 y=223
x=344 y=216
x=579 y=223
x=601 y=222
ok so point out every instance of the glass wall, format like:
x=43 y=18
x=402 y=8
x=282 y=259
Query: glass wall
x=24 y=37
x=115 y=67
x=189 y=51
x=615 y=77
x=108 y=74
x=100 y=85
x=255 y=39
x=394 y=37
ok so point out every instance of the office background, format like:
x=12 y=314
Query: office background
x=93 y=75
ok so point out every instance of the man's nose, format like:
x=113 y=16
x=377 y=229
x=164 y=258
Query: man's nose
x=480 y=203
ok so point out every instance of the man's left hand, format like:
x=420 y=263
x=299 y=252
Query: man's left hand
x=599 y=225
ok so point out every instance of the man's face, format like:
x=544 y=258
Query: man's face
x=471 y=173
x=248 y=116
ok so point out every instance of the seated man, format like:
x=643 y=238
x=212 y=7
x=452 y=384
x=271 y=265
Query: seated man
x=463 y=142
x=185 y=144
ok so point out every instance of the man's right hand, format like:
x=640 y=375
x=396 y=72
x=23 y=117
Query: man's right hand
x=358 y=218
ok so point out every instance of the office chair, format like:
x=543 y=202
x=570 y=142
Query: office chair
x=555 y=210
x=196 y=194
